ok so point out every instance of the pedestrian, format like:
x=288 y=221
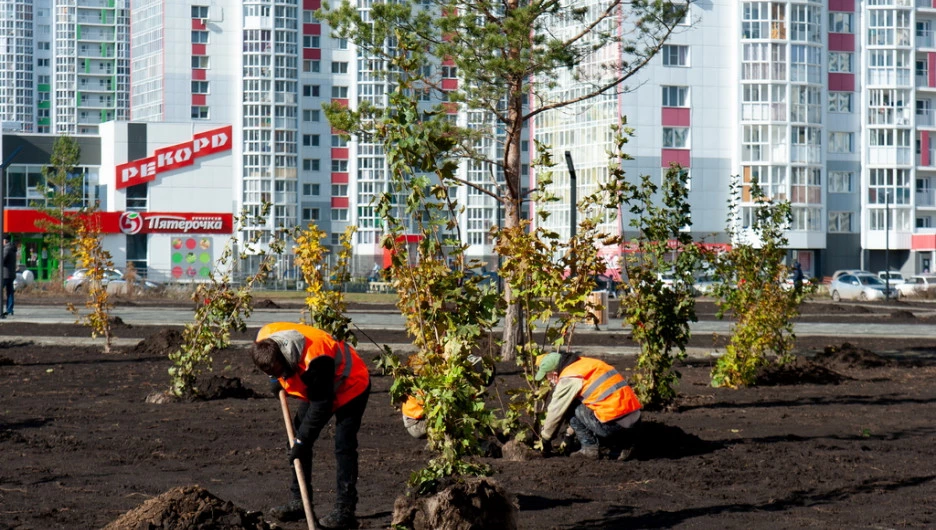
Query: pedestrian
x=9 y=274
x=330 y=379
x=797 y=277
x=595 y=399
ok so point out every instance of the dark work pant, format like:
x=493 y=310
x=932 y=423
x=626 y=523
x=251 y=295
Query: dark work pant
x=347 y=425
x=589 y=428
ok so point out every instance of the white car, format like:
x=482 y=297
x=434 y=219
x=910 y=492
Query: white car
x=893 y=277
x=859 y=287
x=917 y=285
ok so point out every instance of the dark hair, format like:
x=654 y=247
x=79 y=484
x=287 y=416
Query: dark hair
x=266 y=355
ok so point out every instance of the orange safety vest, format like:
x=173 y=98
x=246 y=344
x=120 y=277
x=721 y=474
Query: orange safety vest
x=604 y=389
x=413 y=408
x=351 y=375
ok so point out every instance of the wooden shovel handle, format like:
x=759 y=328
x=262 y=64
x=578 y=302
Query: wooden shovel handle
x=303 y=489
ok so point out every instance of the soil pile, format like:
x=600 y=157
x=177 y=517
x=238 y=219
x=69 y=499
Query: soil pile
x=188 y=508
x=849 y=356
x=161 y=343
x=266 y=303
x=800 y=371
x=475 y=503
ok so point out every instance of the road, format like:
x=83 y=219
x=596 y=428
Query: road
x=391 y=319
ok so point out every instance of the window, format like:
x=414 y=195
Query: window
x=339 y=190
x=675 y=96
x=675 y=55
x=840 y=62
x=200 y=61
x=311 y=115
x=840 y=222
x=339 y=92
x=755 y=143
x=840 y=22
x=311 y=41
x=200 y=12
x=840 y=181
x=42 y=62
x=841 y=142
x=199 y=37
x=676 y=137
x=310 y=214
x=840 y=102
x=310 y=140
x=199 y=113
x=311 y=66
x=339 y=67
x=307 y=165
x=308 y=17
x=199 y=87
x=449 y=72
x=339 y=214
x=341 y=44
x=338 y=141
x=42 y=45
x=339 y=166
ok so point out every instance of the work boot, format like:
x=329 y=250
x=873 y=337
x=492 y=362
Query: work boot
x=291 y=511
x=589 y=452
x=341 y=518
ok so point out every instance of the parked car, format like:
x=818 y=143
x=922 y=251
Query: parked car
x=838 y=273
x=113 y=279
x=704 y=284
x=917 y=285
x=859 y=287
x=893 y=277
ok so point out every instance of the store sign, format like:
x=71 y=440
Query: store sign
x=175 y=223
x=174 y=157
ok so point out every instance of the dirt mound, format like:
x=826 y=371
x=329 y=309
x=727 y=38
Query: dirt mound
x=161 y=343
x=902 y=314
x=219 y=387
x=188 y=508
x=266 y=303
x=475 y=503
x=800 y=371
x=653 y=440
x=849 y=356
x=117 y=322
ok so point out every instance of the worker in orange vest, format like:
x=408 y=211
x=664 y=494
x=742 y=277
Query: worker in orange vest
x=329 y=379
x=594 y=397
x=414 y=417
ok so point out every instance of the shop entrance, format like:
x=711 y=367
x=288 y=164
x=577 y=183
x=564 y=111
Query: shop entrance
x=35 y=255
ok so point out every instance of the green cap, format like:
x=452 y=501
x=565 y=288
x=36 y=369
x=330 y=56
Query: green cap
x=547 y=363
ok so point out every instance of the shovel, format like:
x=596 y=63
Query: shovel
x=303 y=489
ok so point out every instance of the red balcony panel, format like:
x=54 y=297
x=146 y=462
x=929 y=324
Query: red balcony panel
x=339 y=202
x=198 y=23
x=842 y=82
x=311 y=5
x=311 y=29
x=199 y=49
x=199 y=99
x=340 y=102
x=676 y=117
x=841 y=42
x=450 y=107
x=678 y=156
x=450 y=84
x=842 y=5
x=313 y=54
x=923 y=242
x=931 y=69
x=339 y=153
x=339 y=178
x=199 y=74
x=448 y=62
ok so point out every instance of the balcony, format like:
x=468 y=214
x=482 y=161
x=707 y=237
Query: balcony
x=925 y=118
x=924 y=39
x=925 y=198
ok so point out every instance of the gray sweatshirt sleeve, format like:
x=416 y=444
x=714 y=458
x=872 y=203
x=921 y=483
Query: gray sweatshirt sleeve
x=567 y=389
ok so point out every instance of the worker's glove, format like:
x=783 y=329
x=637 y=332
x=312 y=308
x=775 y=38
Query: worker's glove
x=299 y=450
x=275 y=386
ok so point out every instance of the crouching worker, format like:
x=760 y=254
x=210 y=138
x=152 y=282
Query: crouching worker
x=329 y=379
x=594 y=397
x=414 y=417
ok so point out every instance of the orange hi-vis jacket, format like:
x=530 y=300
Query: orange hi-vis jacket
x=604 y=389
x=413 y=408
x=351 y=375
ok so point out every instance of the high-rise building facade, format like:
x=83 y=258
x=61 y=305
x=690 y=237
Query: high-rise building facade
x=827 y=104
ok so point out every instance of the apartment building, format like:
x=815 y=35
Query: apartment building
x=827 y=104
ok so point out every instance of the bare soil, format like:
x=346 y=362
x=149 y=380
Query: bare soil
x=842 y=439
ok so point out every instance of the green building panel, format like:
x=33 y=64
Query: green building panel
x=44 y=105
x=44 y=121
x=44 y=87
